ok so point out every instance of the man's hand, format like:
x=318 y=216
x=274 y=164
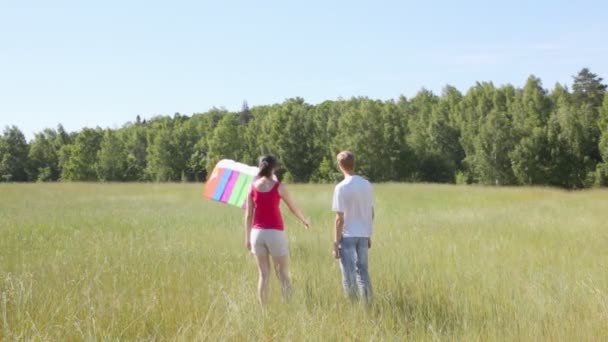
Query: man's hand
x=336 y=250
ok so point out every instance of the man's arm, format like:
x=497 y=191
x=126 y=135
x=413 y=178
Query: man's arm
x=338 y=208
x=369 y=240
x=339 y=226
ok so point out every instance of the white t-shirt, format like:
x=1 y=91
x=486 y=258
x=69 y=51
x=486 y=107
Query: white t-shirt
x=354 y=197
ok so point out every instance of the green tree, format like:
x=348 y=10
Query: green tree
x=475 y=106
x=134 y=139
x=568 y=139
x=531 y=111
x=434 y=135
x=44 y=155
x=588 y=94
x=602 y=168
x=13 y=155
x=396 y=153
x=531 y=158
x=258 y=134
x=225 y=142
x=496 y=140
x=78 y=160
x=111 y=158
x=588 y=89
x=291 y=138
x=245 y=115
x=169 y=148
x=420 y=122
x=326 y=116
x=160 y=154
x=374 y=131
x=494 y=144
x=187 y=161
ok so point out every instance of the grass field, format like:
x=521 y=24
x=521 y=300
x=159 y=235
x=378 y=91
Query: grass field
x=157 y=262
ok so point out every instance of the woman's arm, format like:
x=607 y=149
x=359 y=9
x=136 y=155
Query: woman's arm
x=292 y=206
x=248 y=221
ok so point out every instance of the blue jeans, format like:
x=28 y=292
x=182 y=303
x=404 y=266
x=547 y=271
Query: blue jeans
x=353 y=264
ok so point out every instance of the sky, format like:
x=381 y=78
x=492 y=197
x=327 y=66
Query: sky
x=102 y=63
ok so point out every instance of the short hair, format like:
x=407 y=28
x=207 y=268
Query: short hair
x=346 y=160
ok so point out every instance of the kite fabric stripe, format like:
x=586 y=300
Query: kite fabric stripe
x=238 y=189
x=221 y=185
x=230 y=182
x=211 y=184
x=244 y=191
x=229 y=187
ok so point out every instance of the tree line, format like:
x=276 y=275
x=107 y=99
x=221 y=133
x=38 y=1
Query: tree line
x=499 y=135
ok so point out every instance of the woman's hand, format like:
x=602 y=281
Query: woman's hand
x=306 y=223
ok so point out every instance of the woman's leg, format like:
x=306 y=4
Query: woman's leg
x=279 y=249
x=281 y=268
x=263 y=262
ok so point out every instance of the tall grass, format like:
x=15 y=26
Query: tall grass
x=157 y=262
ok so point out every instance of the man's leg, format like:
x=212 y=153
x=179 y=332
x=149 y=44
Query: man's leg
x=363 y=280
x=348 y=266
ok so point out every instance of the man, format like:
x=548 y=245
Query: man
x=353 y=205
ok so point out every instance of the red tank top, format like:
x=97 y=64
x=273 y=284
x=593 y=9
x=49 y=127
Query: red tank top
x=267 y=213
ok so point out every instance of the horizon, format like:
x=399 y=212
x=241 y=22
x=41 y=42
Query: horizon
x=30 y=135
x=63 y=63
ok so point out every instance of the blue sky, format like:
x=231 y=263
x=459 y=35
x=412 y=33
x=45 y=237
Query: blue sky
x=85 y=63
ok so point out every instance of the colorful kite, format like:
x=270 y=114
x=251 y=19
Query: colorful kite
x=230 y=182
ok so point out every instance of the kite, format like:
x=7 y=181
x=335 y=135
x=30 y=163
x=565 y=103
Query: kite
x=229 y=183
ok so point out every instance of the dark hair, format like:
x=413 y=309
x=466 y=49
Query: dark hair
x=267 y=165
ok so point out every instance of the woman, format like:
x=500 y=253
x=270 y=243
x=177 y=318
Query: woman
x=265 y=236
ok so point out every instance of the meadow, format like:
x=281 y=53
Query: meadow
x=158 y=262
